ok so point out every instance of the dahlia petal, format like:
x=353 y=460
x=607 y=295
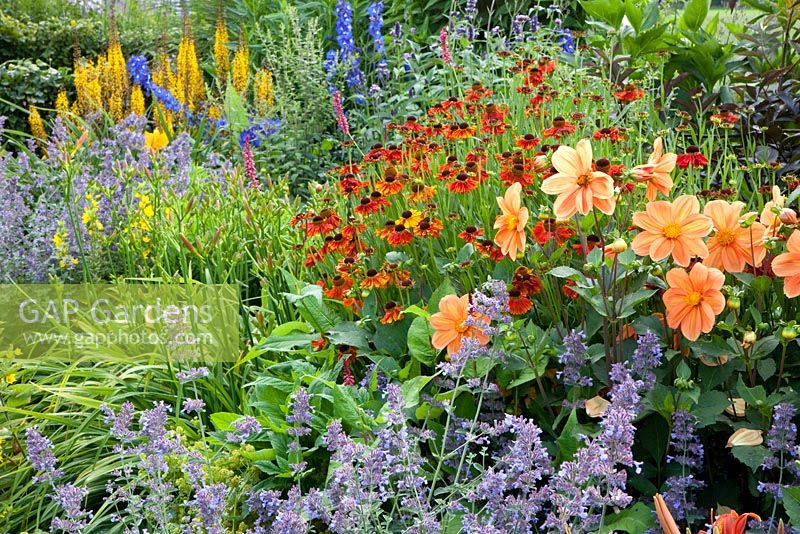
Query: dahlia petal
x=558 y=184
x=567 y=161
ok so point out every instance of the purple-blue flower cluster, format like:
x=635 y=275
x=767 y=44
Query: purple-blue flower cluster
x=686 y=453
x=782 y=445
x=375 y=12
x=646 y=358
x=595 y=480
x=348 y=53
x=573 y=358
x=258 y=132
x=140 y=74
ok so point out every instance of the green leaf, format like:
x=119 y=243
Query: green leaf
x=568 y=441
x=392 y=338
x=564 y=272
x=235 y=111
x=634 y=14
x=638 y=518
x=711 y=349
x=412 y=388
x=694 y=13
x=224 y=420
x=630 y=301
x=419 y=341
x=261 y=454
x=756 y=396
x=766 y=368
x=752 y=457
x=791 y=503
x=609 y=11
x=761 y=284
x=347 y=409
x=764 y=347
x=416 y=310
x=348 y=333
x=311 y=308
x=443 y=290
x=287 y=343
x=465 y=253
x=291 y=326
x=709 y=406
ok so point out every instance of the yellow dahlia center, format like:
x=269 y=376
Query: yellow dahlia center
x=583 y=180
x=461 y=328
x=511 y=222
x=672 y=231
x=693 y=298
x=725 y=237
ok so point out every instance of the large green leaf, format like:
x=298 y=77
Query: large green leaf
x=235 y=111
x=694 y=14
x=634 y=14
x=609 y=11
x=710 y=405
x=419 y=341
x=752 y=457
x=791 y=503
x=638 y=518
x=347 y=409
x=348 y=333
x=443 y=290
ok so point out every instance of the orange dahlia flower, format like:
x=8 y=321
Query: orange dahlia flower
x=694 y=299
x=672 y=228
x=449 y=323
x=656 y=172
x=578 y=187
x=732 y=247
x=511 y=237
x=787 y=266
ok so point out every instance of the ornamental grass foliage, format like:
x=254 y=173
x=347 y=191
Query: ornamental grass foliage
x=495 y=278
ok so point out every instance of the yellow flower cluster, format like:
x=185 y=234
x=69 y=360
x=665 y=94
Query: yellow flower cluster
x=36 y=124
x=115 y=79
x=89 y=216
x=221 y=57
x=140 y=224
x=164 y=76
x=61 y=247
x=62 y=104
x=137 y=100
x=156 y=140
x=241 y=68
x=87 y=86
x=265 y=93
x=191 y=89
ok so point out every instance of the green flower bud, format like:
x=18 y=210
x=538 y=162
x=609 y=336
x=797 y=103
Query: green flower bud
x=789 y=333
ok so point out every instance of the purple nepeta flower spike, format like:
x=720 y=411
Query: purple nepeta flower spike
x=40 y=455
x=243 y=429
x=300 y=413
x=573 y=358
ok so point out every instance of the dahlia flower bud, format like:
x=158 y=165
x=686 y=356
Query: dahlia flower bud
x=745 y=437
x=540 y=164
x=619 y=246
x=788 y=216
x=749 y=339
